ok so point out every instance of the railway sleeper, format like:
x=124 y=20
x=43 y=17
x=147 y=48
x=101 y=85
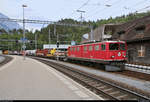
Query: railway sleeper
x=97 y=85
x=122 y=96
x=102 y=87
x=107 y=90
x=82 y=78
x=90 y=82
x=86 y=80
x=114 y=92
x=133 y=98
x=118 y=94
x=93 y=83
x=129 y=97
x=75 y=75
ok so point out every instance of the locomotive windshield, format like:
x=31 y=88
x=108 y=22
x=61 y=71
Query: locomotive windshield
x=116 y=46
x=122 y=46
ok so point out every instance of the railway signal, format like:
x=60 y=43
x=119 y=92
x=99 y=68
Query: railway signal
x=57 y=44
x=16 y=41
x=31 y=42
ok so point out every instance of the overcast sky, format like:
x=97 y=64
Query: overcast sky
x=55 y=10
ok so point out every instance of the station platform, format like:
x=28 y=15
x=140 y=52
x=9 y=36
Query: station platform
x=32 y=80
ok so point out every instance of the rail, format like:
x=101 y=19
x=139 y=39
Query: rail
x=6 y=60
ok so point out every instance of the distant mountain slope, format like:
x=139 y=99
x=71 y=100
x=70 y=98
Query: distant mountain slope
x=7 y=25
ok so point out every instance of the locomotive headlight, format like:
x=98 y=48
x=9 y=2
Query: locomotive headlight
x=112 y=56
x=119 y=53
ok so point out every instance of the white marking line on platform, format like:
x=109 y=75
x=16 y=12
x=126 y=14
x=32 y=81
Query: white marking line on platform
x=122 y=96
x=83 y=88
x=67 y=83
x=88 y=99
x=73 y=88
x=50 y=70
x=81 y=94
x=62 y=79
x=8 y=64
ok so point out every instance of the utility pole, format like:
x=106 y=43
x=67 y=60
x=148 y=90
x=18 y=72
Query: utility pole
x=102 y=39
x=49 y=39
x=35 y=41
x=8 y=43
x=57 y=47
x=81 y=14
x=24 y=31
x=54 y=29
x=91 y=34
x=57 y=37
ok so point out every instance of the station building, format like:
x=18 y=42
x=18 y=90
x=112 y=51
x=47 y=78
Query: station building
x=103 y=32
x=136 y=33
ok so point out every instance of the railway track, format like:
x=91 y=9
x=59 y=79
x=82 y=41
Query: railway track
x=105 y=89
x=7 y=59
x=133 y=74
x=127 y=72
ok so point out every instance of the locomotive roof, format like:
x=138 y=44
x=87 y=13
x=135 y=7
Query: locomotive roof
x=101 y=42
x=115 y=41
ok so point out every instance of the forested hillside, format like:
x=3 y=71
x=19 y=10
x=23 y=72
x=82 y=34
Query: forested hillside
x=65 y=33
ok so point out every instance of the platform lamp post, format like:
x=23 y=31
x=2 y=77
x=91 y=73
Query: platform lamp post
x=24 y=32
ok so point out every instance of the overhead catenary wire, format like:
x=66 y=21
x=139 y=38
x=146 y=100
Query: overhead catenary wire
x=103 y=9
x=135 y=5
x=98 y=4
x=112 y=12
x=138 y=3
x=143 y=8
x=84 y=4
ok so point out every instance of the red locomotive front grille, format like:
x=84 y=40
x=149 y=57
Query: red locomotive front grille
x=117 y=55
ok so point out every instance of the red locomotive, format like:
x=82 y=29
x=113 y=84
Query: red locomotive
x=112 y=54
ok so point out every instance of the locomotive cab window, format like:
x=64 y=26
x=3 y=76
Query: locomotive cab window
x=90 y=48
x=78 y=48
x=74 y=49
x=103 y=46
x=122 y=46
x=113 y=46
x=85 y=48
x=96 y=47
